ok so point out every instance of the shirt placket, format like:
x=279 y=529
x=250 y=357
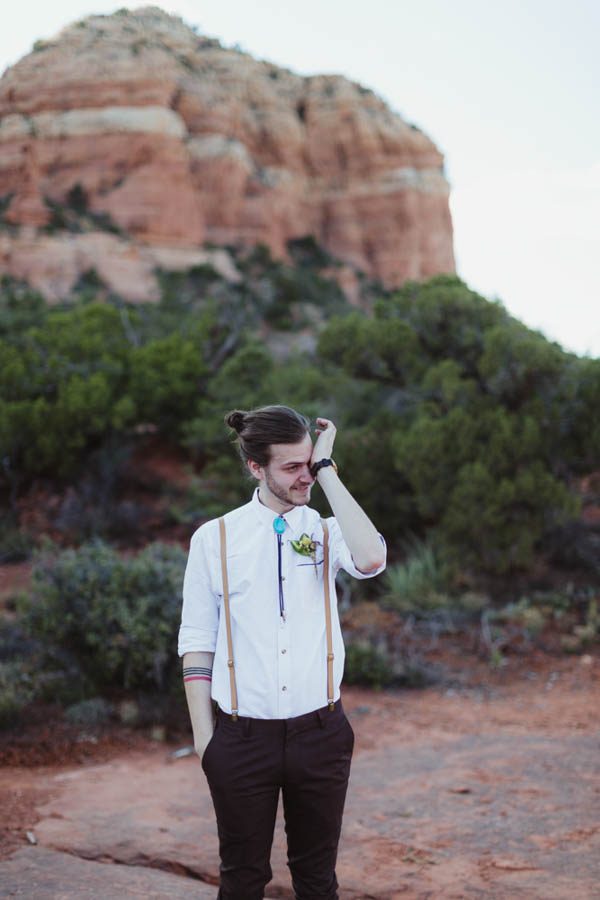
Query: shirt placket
x=284 y=662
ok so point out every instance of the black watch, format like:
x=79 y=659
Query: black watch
x=321 y=465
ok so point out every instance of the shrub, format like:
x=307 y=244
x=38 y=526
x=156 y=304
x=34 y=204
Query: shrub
x=20 y=307
x=367 y=665
x=16 y=691
x=91 y=713
x=415 y=585
x=375 y=666
x=15 y=544
x=116 y=617
x=24 y=679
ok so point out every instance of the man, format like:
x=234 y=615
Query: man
x=261 y=637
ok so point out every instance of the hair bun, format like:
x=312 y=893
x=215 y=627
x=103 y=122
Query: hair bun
x=236 y=420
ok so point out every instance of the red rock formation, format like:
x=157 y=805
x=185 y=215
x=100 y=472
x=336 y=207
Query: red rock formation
x=180 y=142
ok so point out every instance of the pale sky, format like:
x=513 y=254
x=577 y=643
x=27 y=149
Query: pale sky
x=508 y=91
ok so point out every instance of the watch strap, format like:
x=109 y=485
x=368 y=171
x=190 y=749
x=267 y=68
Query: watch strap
x=321 y=464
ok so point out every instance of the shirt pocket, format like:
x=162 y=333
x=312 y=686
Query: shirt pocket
x=239 y=575
x=308 y=581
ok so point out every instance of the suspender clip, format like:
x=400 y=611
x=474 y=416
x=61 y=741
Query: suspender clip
x=234 y=715
x=331 y=706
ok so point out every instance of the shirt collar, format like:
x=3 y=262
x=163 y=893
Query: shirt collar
x=265 y=515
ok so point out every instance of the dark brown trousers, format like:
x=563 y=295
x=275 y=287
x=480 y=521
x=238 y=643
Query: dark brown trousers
x=247 y=763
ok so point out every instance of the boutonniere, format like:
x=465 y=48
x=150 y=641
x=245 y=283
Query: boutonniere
x=307 y=546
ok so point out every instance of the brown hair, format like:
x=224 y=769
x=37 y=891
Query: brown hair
x=259 y=428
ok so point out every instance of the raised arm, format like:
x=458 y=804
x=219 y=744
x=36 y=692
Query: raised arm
x=357 y=529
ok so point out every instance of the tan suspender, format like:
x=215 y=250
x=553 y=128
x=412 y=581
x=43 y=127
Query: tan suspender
x=234 y=700
x=330 y=656
x=327 y=614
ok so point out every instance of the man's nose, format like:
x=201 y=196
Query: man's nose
x=306 y=474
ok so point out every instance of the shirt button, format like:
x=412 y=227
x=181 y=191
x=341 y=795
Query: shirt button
x=284 y=651
x=284 y=688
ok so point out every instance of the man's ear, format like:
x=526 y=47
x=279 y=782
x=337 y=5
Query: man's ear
x=255 y=470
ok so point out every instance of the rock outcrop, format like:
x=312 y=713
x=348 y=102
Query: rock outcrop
x=147 y=129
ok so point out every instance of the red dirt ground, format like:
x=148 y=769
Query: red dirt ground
x=487 y=788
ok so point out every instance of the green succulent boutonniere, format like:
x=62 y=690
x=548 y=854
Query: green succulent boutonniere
x=307 y=546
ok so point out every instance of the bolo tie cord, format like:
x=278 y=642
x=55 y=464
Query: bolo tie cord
x=279 y=572
x=279 y=526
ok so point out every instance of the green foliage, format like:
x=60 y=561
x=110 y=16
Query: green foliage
x=416 y=585
x=20 y=308
x=73 y=378
x=373 y=664
x=366 y=665
x=522 y=613
x=386 y=351
x=16 y=691
x=72 y=214
x=93 y=507
x=497 y=522
x=240 y=383
x=485 y=422
x=15 y=544
x=290 y=297
x=166 y=377
x=90 y=713
x=116 y=617
x=456 y=423
x=306 y=252
x=449 y=320
x=577 y=423
x=295 y=290
x=62 y=388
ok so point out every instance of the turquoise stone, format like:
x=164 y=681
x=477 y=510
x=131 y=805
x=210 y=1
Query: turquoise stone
x=279 y=525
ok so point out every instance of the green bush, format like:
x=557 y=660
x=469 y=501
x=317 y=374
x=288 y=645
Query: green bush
x=90 y=713
x=16 y=690
x=15 y=544
x=372 y=665
x=483 y=419
x=116 y=617
x=367 y=665
x=62 y=389
x=93 y=507
x=416 y=585
x=20 y=307
x=455 y=421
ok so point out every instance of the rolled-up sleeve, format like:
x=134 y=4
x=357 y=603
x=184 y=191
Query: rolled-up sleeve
x=200 y=611
x=341 y=557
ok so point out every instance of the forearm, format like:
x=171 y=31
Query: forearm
x=357 y=529
x=197 y=692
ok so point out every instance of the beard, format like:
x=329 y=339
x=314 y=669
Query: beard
x=287 y=495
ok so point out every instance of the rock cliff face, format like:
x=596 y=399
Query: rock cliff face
x=147 y=129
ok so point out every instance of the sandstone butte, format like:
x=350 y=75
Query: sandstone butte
x=180 y=143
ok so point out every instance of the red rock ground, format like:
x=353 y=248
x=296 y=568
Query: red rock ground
x=489 y=788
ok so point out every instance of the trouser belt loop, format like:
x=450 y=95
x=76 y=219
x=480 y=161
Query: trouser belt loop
x=247 y=726
x=321 y=713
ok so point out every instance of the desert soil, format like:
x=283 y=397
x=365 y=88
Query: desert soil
x=488 y=787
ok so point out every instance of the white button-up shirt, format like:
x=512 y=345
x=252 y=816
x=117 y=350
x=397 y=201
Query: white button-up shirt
x=280 y=662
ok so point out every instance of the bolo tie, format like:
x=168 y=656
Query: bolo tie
x=279 y=526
